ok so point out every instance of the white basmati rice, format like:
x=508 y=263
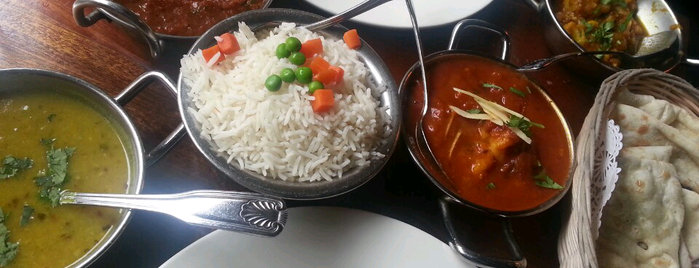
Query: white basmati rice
x=277 y=134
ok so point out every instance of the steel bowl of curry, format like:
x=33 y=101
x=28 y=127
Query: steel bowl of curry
x=62 y=133
x=611 y=25
x=495 y=141
x=166 y=25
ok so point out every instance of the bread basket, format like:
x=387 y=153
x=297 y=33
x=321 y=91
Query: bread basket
x=576 y=244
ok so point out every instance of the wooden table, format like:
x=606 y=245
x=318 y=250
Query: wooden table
x=42 y=34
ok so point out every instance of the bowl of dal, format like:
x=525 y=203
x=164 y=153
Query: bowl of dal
x=62 y=133
x=272 y=141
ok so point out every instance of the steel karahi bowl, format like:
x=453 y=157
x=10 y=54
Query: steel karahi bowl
x=655 y=15
x=379 y=77
x=111 y=11
x=39 y=81
x=422 y=154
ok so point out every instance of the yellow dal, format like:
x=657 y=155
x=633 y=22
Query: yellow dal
x=58 y=236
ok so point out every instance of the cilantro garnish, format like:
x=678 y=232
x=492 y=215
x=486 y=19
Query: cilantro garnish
x=625 y=24
x=490 y=186
x=588 y=27
x=543 y=180
x=522 y=124
x=603 y=35
x=517 y=91
x=27 y=212
x=488 y=85
x=621 y=3
x=12 y=165
x=474 y=111
x=8 y=250
x=56 y=175
x=50 y=117
x=47 y=142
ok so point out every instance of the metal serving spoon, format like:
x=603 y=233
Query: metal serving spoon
x=328 y=22
x=233 y=211
x=652 y=48
x=419 y=131
x=628 y=61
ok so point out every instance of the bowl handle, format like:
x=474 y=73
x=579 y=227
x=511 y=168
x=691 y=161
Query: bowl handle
x=132 y=90
x=518 y=259
x=112 y=11
x=473 y=23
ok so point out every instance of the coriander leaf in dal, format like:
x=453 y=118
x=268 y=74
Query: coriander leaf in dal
x=52 y=179
x=27 y=212
x=8 y=250
x=47 y=142
x=12 y=165
x=50 y=117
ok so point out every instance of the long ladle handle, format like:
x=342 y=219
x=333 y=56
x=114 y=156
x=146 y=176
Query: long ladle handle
x=416 y=31
x=234 y=211
x=543 y=63
x=345 y=15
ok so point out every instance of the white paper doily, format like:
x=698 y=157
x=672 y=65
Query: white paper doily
x=605 y=173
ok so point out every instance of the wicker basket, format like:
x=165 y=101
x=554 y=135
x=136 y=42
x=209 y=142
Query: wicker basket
x=576 y=247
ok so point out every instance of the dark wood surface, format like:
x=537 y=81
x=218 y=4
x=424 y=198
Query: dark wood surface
x=42 y=34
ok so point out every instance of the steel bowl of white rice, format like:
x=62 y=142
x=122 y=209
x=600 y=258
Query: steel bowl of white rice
x=273 y=142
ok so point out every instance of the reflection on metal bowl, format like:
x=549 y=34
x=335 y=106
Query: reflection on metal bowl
x=655 y=15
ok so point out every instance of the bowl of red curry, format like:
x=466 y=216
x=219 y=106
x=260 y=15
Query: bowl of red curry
x=495 y=141
x=161 y=22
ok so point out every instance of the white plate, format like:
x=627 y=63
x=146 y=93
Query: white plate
x=323 y=237
x=395 y=13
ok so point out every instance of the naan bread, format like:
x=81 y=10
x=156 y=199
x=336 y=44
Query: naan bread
x=662 y=110
x=640 y=128
x=690 y=229
x=657 y=153
x=685 y=259
x=642 y=221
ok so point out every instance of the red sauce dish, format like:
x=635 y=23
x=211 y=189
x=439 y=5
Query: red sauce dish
x=494 y=141
x=488 y=164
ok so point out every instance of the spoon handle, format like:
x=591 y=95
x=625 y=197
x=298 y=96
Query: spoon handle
x=234 y=211
x=345 y=15
x=543 y=63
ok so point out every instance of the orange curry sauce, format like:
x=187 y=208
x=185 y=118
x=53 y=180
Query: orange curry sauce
x=487 y=164
x=187 y=17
